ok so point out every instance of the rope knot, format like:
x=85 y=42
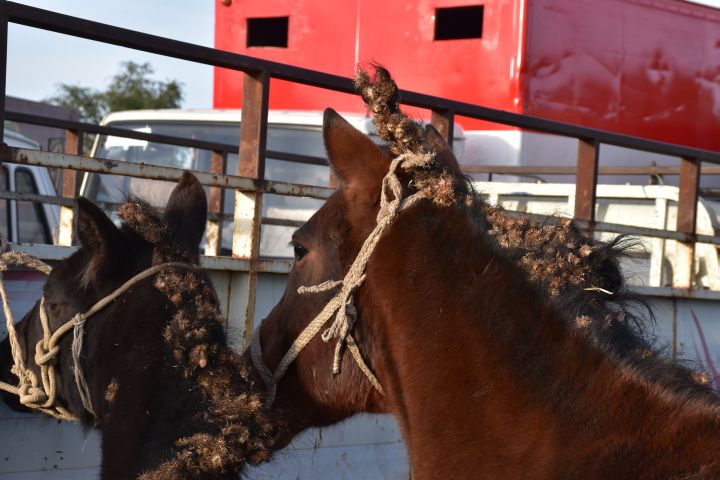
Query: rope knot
x=79 y=319
x=31 y=396
x=43 y=354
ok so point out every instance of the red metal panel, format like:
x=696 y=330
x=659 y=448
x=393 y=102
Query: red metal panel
x=649 y=68
x=319 y=37
x=398 y=34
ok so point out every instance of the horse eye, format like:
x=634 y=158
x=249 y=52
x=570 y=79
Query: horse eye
x=55 y=309
x=300 y=251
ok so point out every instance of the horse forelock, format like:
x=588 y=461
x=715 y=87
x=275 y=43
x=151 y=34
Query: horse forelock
x=382 y=98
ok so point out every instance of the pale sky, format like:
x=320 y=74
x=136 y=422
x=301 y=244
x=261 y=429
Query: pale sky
x=38 y=60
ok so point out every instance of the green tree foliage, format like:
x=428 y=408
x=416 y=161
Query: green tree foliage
x=130 y=89
x=86 y=101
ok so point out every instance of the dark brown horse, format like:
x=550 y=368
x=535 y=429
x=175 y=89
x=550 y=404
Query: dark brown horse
x=171 y=399
x=486 y=374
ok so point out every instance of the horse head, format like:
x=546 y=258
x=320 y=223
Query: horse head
x=326 y=382
x=160 y=379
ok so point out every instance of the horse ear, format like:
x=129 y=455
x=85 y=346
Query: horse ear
x=99 y=235
x=186 y=212
x=355 y=159
x=95 y=230
x=443 y=153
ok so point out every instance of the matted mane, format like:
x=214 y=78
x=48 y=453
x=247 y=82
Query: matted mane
x=232 y=425
x=579 y=275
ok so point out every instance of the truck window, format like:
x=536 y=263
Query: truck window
x=32 y=224
x=4 y=206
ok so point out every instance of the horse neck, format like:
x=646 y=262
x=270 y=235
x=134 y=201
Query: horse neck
x=472 y=356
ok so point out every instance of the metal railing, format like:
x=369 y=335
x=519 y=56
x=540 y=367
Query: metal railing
x=250 y=184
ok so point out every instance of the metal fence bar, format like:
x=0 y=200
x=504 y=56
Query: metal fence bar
x=117 y=132
x=70 y=202
x=653 y=233
x=3 y=65
x=215 y=206
x=548 y=170
x=586 y=180
x=156 y=172
x=686 y=220
x=73 y=146
x=251 y=164
x=537 y=124
x=619 y=228
x=249 y=205
x=599 y=226
x=266 y=265
x=33 y=197
x=154 y=137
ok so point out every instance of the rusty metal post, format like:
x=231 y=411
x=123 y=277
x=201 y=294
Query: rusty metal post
x=216 y=206
x=251 y=163
x=444 y=122
x=686 y=220
x=586 y=180
x=73 y=146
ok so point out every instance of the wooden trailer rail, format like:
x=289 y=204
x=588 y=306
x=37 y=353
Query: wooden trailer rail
x=250 y=185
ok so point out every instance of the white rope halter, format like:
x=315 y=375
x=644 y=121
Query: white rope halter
x=42 y=394
x=341 y=306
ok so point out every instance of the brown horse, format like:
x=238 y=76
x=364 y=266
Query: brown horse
x=171 y=399
x=487 y=377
